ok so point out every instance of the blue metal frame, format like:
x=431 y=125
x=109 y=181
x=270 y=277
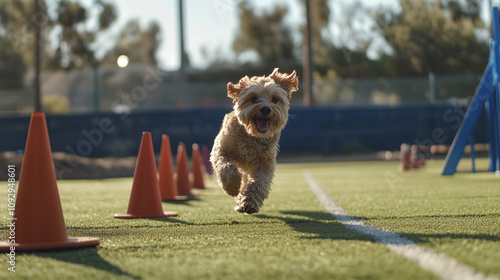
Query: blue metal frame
x=487 y=95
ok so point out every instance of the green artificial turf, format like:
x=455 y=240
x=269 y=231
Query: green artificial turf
x=292 y=237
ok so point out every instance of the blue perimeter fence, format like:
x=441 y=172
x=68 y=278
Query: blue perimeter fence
x=325 y=130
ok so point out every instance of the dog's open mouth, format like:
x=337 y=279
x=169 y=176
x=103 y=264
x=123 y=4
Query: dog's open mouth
x=262 y=124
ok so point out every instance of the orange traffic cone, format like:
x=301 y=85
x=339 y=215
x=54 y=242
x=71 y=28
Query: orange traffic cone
x=197 y=168
x=38 y=222
x=183 y=185
x=145 y=200
x=206 y=159
x=405 y=157
x=416 y=159
x=168 y=187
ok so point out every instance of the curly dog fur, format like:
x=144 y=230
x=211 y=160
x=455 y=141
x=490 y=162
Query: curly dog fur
x=244 y=151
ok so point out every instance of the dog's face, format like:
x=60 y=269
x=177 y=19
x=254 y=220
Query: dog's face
x=261 y=103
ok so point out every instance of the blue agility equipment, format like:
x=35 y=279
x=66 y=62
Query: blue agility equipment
x=487 y=95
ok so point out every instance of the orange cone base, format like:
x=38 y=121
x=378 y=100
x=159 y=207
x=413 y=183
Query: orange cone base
x=137 y=216
x=177 y=198
x=71 y=242
x=194 y=193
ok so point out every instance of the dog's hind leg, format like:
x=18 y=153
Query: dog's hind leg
x=228 y=175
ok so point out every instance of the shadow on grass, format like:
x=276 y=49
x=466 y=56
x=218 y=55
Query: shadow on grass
x=188 y=201
x=169 y=220
x=86 y=256
x=322 y=225
x=317 y=225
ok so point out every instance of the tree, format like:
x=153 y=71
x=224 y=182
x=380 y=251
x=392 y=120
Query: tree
x=18 y=22
x=67 y=40
x=140 y=45
x=12 y=66
x=266 y=34
x=438 y=37
x=74 y=49
x=424 y=36
x=342 y=56
x=470 y=10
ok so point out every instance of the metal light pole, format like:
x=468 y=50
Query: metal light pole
x=181 y=33
x=307 y=65
x=182 y=70
x=95 y=68
x=38 y=30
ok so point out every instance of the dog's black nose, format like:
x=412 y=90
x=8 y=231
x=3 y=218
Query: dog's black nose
x=265 y=111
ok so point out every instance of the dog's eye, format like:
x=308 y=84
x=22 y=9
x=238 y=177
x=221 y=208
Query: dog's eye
x=274 y=100
x=254 y=99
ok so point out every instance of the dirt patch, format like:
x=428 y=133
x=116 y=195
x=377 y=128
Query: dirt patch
x=69 y=166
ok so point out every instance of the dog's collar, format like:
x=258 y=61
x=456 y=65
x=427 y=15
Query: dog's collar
x=264 y=142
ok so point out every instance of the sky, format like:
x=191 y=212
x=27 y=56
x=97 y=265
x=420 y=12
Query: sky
x=210 y=26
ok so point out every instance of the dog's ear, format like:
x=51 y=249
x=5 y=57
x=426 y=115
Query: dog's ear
x=288 y=82
x=233 y=90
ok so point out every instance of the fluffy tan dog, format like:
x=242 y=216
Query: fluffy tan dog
x=244 y=152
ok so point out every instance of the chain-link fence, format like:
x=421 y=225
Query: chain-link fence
x=147 y=88
x=454 y=89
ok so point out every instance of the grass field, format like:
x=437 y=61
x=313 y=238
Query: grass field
x=293 y=237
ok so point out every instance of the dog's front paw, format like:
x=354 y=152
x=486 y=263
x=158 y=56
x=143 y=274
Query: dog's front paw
x=246 y=205
x=246 y=208
x=229 y=178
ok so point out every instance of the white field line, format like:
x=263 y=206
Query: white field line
x=440 y=264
